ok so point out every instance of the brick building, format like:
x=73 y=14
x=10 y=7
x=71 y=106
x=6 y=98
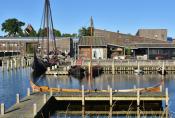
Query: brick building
x=24 y=45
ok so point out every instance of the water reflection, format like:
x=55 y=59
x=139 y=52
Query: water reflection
x=17 y=81
x=121 y=81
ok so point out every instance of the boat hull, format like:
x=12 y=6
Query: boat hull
x=39 y=66
x=77 y=71
x=96 y=71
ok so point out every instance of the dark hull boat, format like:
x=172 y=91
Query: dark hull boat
x=41 y=63
x=77 y=72
x=97 y=71
x=161 y=72
x=39 y=66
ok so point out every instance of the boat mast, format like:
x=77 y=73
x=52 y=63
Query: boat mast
x=91 y=41
x=47 y=24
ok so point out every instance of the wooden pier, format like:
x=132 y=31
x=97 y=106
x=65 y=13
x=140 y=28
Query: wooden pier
x=43 y=104
x=58 y=70
x=115 y=66
x=15 y=62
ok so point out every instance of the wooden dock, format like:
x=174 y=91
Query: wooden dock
x=130 y=65
x=24 y=109
x=42 y=104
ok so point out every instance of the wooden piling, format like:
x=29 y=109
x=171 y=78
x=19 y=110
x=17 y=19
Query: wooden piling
x=28 y=91
x=7 y=64
x=34 y=109
x=11 y=64
x=17 y=98
x=110 y=97
x=15 y=63
x=44 y=98
x=138 y=102
x=83 y=100
x=167 y=98
x=163 y=68
x=51 y=92
x=113 y=67
x=161 y=88
x=2 y=109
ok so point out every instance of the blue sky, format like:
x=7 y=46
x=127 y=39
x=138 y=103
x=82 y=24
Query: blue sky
x=69 y=15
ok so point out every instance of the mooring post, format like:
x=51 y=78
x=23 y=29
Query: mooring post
x=15 y=63
x=2 y=109
x=110 y=97
x=163 y=68
x=135 y=88
x=83 y=99
x=17 y=98
x=83 y=112
x=108 y=87
x=167 y=98
x=34 y=109
x=7 y=64
x=89 y=67
x=28 y=91
x=45 y=98
x=113 y=67
x=161 y=88
x=51 y=93
x=138 y=102
x=11 y=64
x=166 y=103
x=22 y=63
x=55 y=66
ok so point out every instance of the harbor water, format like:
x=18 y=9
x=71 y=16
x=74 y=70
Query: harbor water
x=17 y=81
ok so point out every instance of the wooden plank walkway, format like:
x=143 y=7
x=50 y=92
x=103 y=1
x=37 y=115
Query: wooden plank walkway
x=24 y=109
x=122 y=96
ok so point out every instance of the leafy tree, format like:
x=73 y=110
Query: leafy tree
x=43 y=32
x=57 y=33
x=69 y=35
x=13 y=27
x=128 y=51
x=85 y=31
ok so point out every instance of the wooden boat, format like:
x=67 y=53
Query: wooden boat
x=138 y=71
x=77 y=71
x=96 y=70
x=37 y=88
x=40 y=62
x=161 y=71
x=39 y=66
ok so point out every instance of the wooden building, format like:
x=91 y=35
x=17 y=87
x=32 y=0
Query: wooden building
x=98 y=46
x=140 y=47
x=25 y=45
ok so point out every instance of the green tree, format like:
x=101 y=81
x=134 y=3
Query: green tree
x=69 y=35
x=43 y=32
x=13 y=27
x=85 y=31
x=57 y=33
x=128 y=51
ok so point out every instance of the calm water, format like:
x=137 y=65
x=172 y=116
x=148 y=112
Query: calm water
x=17 y=81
